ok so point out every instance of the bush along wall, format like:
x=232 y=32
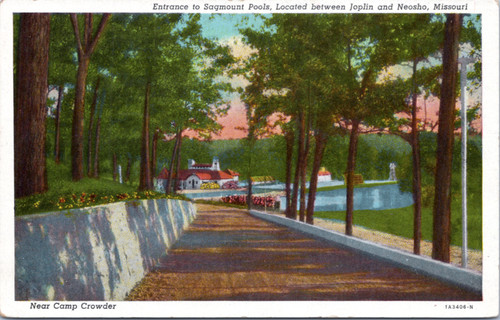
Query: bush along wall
x=97 y=253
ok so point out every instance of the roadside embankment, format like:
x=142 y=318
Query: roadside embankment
x=97 y=253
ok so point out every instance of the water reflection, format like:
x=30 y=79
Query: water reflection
x=373 y=198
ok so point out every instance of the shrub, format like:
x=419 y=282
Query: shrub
x=266 y=201
x=45 y=203
x=230 y=185
x=210 y=185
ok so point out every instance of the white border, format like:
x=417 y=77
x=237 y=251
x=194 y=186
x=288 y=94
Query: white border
x=487 y=308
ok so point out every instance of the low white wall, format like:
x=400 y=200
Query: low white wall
x=97 y=253
x=439 y=270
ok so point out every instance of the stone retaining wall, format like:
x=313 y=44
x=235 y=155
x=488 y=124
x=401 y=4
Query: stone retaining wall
x=97 y=253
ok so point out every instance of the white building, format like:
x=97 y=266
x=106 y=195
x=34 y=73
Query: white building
x=324 y=175
x=198 y=174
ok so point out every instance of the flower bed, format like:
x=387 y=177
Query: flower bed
x=210 y=185
x=82 y=200
x=259 y=201
x=230 y=185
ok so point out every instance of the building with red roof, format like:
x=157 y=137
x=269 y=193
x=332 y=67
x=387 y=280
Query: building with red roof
x=198 y=174
x=324 y=175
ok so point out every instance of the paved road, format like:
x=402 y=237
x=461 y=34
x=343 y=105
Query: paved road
x=227 y=254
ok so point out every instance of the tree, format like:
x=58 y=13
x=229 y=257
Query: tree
x=253 y=98
x=140 y=64
x=57 y=139
x=342 y=74
x=321 y=138
x=146 y=179
x=422 y=53
x=30 y=104
x=171 y=73
x=444 y=153
x=154 y=150
x=91 y=127
x=62 y=71
x=95 y=173
x=285 y=57
x=289 y=137
x=369 y=101
x=178 y=164
x=85 y=48
x=416 y=46
x=178 y=139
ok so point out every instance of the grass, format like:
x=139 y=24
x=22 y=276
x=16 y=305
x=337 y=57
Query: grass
x=400 y=222
x=234 y=205
x=221 y=204
x=65 y=194
x=362 y=185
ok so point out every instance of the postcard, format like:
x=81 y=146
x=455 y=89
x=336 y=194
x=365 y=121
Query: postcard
x=256 y=159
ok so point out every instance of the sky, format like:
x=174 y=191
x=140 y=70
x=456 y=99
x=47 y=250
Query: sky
x=225 y=28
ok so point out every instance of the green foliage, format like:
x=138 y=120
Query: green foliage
x=65 y=194
x=62 y=62
x=400 y=222
x=265 y=179
x=362 y=185
x=267 y=156
x=375 y=154
x=428 y=166
x=167 y=50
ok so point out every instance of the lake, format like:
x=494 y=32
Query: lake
x=370 y=198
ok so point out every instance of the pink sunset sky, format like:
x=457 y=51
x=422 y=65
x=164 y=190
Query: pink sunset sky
x=236 y=116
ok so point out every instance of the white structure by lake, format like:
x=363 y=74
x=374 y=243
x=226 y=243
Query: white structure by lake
x=392 y=172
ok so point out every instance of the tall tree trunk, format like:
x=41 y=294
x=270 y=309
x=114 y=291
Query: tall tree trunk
x=96 y=147
x=85 y=49
x=91 y=124
x=127 y=172
x=31 y=105
x=154 y=148
x=289 y=139
x=444 y=152
x=298 y=166
x=249 y=189
x=115 y=166
x=168 y=189
x=178 y=162
x=321 y=140
x=351 y=166
x=145 y=182
x=303 y=171
x=78 y=117
x=415 y=147
x=57 y=142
